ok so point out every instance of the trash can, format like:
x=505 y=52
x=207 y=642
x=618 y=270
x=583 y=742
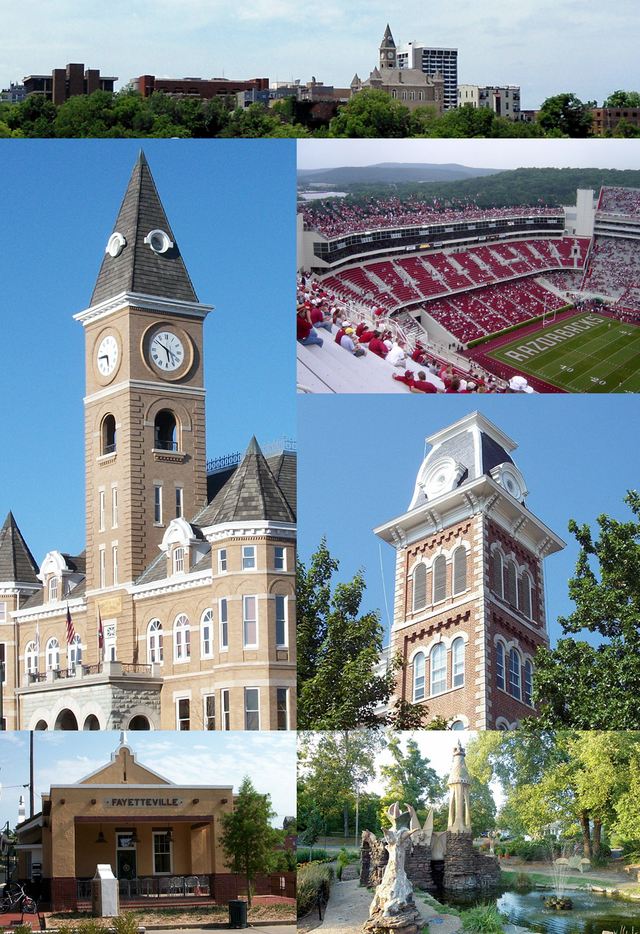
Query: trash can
x=237 y=913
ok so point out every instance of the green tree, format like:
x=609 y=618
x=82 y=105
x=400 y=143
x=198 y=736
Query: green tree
x=577 y=684
x=338 y=651
x=565 y=115
x=372 y=113
x=335 y=767
x=247 y=838
x=409 y=778
x=623 y=99
x=482 y=806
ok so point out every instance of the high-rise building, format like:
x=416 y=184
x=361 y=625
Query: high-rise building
x=469 y=610
x=432 y=62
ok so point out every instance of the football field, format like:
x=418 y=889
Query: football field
x=586 y=353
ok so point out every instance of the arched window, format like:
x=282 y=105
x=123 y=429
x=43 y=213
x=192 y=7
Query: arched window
x=53 y=655
x=512 y=584
x=514 y=673
x=526 y=602
x=108 y=435
x=459 y=570
x=206 y=632
x=439 y=579
x=178 y=560
x=155 y=652
x=418 y=677
x=457 y=652
x=457 y=725
x=74 y=652
x=500 y=665
x=182 y=638
x=31 y=659
x=419 y=587
x=165 y=437
x=438 y=669
x=528 y=683
x=497 y=574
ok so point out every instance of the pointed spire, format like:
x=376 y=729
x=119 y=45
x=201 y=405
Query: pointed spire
x=132 y=265
x=17 y=564
x=252 y=493
x=387 y=39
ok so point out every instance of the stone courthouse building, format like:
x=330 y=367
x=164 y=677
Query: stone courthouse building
x=159 y=837
x=469 y=610
x=180 y=613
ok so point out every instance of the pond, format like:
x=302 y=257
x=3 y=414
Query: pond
x=592 y=913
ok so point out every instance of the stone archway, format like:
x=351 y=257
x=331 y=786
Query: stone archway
x=66 y=720
x=139 y=722
x=91 y=723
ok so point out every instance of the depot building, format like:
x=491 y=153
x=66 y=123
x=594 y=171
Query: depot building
x=161 y=839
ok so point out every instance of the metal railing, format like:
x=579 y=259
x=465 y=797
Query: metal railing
x=131 y=669
x=155 y=887
x=268 y=449
x=165 y=445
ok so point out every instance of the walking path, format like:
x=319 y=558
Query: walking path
x=348 y=909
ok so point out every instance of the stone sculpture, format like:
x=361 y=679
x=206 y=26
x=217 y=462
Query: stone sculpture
x=393 y=908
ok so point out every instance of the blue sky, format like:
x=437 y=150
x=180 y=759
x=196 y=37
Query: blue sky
x=545 y=46
x=360 y=455
x=230 y=204
x=191 y=758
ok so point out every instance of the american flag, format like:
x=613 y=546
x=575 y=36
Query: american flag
x=71 y=633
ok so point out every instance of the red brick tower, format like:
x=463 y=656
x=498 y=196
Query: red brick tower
x=469 y=598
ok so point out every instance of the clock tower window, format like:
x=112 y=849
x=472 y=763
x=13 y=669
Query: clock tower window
x=108 y=435
x=165 y=437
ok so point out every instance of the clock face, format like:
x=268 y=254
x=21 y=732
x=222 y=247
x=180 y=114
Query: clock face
x=166 y=351
x=389 y=54
x=107 y=356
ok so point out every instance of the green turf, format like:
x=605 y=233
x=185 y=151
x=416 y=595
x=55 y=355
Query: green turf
x=604 y=358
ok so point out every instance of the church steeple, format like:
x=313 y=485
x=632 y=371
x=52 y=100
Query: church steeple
x=388 y=50
x=142 y=255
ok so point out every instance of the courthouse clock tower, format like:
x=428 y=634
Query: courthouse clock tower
x=469 y=610
x=144 y=404
x=387 y=50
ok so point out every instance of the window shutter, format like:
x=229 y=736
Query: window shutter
x=459 y=570
x=439 y=578
x=419 y=587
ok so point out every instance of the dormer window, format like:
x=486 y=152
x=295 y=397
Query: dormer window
x=53 y=588
x=178 y=560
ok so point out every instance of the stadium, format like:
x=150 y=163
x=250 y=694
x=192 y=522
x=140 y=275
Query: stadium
x=527 y=298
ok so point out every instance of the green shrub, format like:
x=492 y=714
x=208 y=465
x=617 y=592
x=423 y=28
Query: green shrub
x=126 y=923
x=522 y=882
x=22 y=929
x=482 y=919
x=313 y=880
x=304 y=854
x=529 y=850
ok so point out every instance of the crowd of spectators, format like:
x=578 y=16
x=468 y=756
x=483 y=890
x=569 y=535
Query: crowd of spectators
x=335 y=217
x=619 y=201
x=565 y=281
x=614 y=266
x=471 y=315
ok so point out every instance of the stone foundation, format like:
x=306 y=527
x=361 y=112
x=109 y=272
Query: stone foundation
x=465 y=868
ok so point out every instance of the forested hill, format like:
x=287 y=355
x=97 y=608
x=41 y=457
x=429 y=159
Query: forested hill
x=519 y=186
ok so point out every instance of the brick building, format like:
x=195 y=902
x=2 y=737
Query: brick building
x=71 y=81
x=203 y=88
x=182 y=605
x=469 y=599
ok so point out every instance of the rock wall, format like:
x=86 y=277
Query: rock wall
x=417 y=864
x=465 y=868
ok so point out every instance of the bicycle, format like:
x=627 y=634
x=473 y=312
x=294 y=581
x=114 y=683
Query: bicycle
x=15 y=899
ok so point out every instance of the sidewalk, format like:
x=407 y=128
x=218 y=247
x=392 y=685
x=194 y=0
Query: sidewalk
x=348 y=909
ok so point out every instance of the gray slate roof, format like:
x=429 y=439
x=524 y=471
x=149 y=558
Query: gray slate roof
x=252 y=492
x=138 y=268
x=17 y=564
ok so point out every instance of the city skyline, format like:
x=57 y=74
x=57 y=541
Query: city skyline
x=529 y=44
